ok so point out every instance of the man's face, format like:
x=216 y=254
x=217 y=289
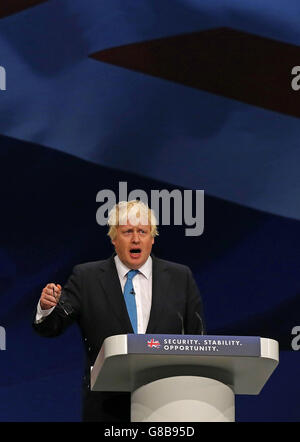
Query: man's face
x=133 y=244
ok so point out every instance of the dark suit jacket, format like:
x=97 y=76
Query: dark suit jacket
x=93 y=297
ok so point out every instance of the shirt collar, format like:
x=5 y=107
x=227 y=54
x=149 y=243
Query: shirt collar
x=145 y=269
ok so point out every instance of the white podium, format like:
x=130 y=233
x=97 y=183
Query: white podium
x=184 y=378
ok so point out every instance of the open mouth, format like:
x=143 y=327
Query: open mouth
x=135 y=253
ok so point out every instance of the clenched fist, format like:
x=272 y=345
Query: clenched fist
x=50 y=296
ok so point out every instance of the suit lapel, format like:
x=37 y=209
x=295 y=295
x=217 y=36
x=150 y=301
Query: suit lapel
x=160 y=283
x=110 y=282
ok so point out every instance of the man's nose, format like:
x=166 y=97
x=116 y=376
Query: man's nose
x=135 y=237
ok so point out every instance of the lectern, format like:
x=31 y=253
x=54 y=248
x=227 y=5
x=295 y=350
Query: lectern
x=184 y=378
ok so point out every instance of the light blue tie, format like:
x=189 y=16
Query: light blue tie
x=129 y=296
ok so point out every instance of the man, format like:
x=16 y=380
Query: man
x=131 y=292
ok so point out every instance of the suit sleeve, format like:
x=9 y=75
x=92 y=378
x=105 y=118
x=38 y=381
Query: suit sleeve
x=68 y=309
x=194 y=318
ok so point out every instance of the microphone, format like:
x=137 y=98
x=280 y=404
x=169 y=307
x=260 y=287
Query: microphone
x=182 y=323
x=132 y=292
x=201 y=322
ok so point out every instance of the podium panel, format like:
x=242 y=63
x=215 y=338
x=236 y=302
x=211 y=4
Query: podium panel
x=160 y=370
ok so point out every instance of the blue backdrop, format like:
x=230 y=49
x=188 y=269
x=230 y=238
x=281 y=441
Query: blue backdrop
x=182 y=94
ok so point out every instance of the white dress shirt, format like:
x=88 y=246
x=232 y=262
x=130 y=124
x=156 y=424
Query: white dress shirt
x=142 y=284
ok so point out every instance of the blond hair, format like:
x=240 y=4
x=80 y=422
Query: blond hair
x=136 y=212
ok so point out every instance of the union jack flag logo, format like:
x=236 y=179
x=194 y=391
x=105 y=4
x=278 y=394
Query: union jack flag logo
x=153 y=343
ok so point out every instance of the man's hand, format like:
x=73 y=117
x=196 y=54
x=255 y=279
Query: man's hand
x=50 y=296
